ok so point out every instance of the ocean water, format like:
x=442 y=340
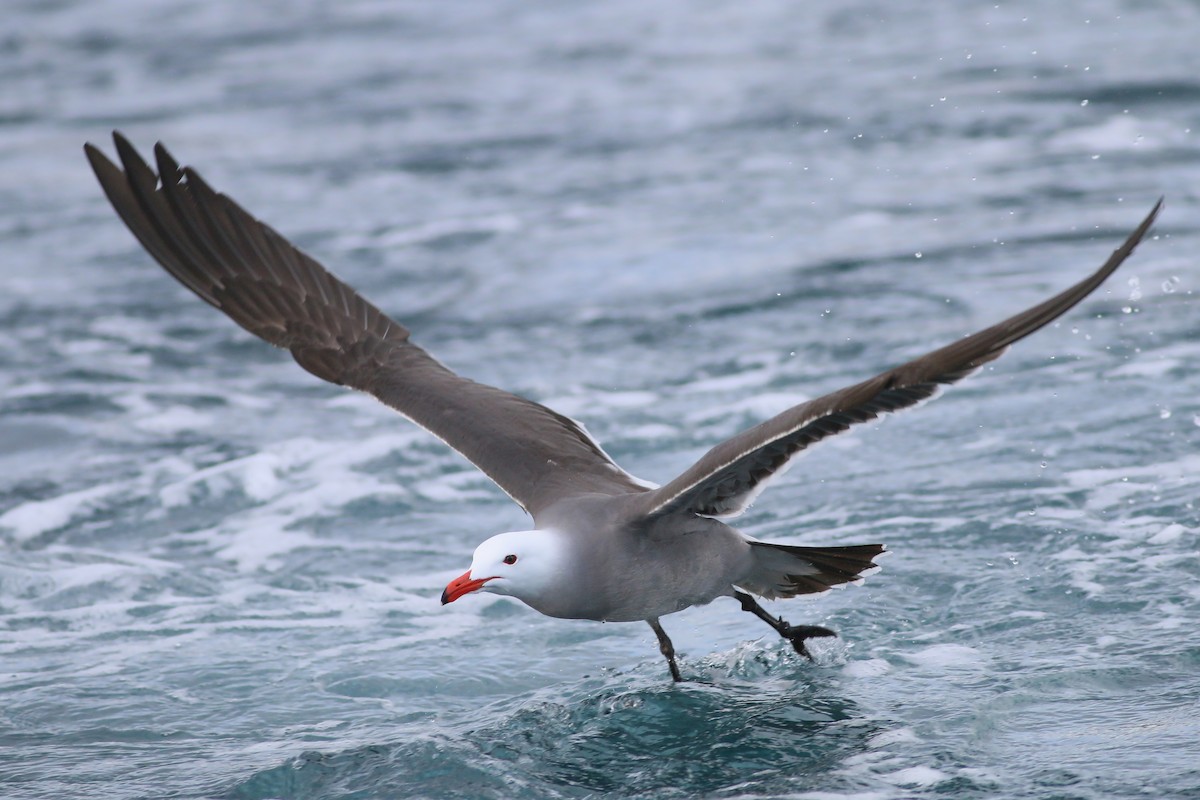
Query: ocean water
x=219 y=577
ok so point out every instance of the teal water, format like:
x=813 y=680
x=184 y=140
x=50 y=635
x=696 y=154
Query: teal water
x=219 y=578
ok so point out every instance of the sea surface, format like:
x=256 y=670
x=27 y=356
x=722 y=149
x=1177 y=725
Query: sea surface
x=219 y=577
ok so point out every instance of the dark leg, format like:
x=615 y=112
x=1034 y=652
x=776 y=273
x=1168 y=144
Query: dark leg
x=796 y=634
x=665 y=646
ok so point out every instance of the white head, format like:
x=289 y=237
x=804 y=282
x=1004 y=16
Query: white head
x=522 y=564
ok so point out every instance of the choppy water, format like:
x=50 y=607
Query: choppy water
x=219 y=577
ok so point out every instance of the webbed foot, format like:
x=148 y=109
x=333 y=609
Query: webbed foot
x=797 y=634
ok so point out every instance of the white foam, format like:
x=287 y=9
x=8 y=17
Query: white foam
x=1168 y=534
x=1173 y=616
x=265 y=540
x=896 y=736
x=627 y=399
x=989 y=442
x=256 y=475
x=870 y=668
x=290 y=481
x=326 y=469
x=1121 y=132
x=845 y=796
x=863 y=221
x=980 y=775
x=649 y=432
x=737 y=382
x=35 y=517
x=1081 y=568
x=759 y=405
x=946 y=656
x=174 y=420
x=1110 y=487
x=455 y=487
x=1053 y=514
x=586 y=401
x=916 y=776
x=1144 y=368
x=440 y=229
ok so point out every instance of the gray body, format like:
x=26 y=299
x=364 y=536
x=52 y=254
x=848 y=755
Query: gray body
x=634 y=551
x=678 y=563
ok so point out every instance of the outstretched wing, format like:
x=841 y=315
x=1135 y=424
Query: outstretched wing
x=269 y=287
x=728 y=478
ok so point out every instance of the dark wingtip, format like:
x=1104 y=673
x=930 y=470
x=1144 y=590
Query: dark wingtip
x=163 y=156
x=1131 y=242
x=94 y=155
x=102 y=167
x=135 y=166
x=1162 y=201
x=168 y=167
x=1149 y=221
x=1159 y=206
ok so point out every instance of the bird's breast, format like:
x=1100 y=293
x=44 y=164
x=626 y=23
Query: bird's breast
x=636 y=575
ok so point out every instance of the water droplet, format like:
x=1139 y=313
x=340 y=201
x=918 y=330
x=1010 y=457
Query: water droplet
x=1170 y=284
x=1084 y=103
x=918 y=254
x=1164 y=413
x=1196 y=420
x=1126 y=310
x=1043 y=465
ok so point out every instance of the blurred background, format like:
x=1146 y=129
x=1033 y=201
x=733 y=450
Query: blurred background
x=219 y=576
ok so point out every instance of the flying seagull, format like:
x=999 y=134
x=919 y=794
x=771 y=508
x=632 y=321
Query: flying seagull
x=605 y=545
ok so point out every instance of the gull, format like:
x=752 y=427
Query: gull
x=605 y=545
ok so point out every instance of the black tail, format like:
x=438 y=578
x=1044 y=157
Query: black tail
x=786 y=571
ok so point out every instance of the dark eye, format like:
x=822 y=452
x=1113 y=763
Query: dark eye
x=510 y=559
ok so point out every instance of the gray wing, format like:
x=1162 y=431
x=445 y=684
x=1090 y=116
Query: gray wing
x=728 y=478
x=269 y=287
